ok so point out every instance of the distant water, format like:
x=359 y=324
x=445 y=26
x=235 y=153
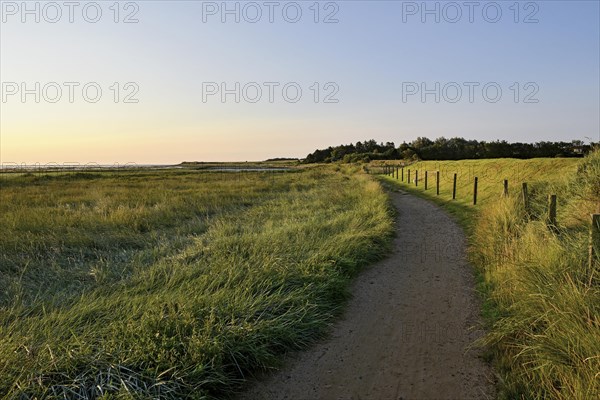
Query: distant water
x=77 y=167
x=247 y=169
x=14 y=167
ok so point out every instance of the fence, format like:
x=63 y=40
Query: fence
x=551 y=222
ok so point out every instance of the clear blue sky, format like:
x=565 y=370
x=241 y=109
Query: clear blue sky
x=375 y=50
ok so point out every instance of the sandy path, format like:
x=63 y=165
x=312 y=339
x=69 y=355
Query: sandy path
x=406 y=331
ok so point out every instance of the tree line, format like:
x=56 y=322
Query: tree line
x=441 y=148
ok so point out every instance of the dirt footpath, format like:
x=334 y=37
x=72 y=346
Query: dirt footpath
x=407 y=331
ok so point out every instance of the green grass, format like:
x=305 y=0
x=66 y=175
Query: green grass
x=541 y=301
x=491 y=174
x=175 y=283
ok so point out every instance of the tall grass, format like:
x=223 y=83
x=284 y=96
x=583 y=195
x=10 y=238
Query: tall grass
x=541 y=300
x=174 y=284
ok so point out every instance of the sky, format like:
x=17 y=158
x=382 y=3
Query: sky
x=161 y=82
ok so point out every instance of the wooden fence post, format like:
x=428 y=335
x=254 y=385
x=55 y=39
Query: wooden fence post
x=475 y=191
x=397 y=173
x=402 y=174
x=525 y=197
x=594 y=245
x=408 y=177
x=416 y=177
x=505 y=188
x=454 y=188
x=426 y=174
x=437 y=183
x=552 y=211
